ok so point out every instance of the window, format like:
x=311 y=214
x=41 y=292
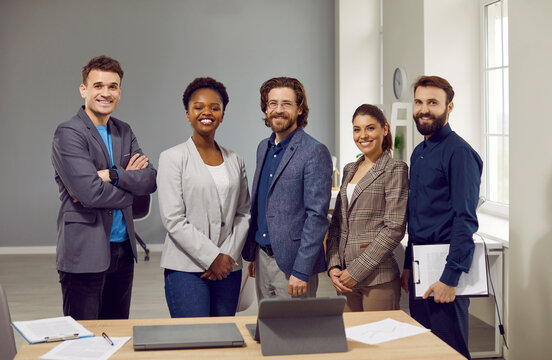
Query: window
x=495 y=106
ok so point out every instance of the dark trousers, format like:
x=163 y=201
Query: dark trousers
x=448 y=321
x=104 y=295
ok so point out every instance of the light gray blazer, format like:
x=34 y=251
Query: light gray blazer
x=191 y=212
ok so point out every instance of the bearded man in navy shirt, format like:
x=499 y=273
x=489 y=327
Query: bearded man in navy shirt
x=445 y=174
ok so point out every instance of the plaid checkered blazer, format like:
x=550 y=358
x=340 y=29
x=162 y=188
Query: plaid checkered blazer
x=364 y=233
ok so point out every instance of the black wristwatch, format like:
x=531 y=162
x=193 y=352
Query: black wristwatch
x=113 y=176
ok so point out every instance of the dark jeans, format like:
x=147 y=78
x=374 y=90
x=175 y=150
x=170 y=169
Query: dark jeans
x=448 y=321
x=190 y=296
x=104 y=295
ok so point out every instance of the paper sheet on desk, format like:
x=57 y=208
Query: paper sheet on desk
x=381 y=331
x=96 y=348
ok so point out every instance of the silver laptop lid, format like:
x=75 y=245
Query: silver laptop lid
x=156 y=337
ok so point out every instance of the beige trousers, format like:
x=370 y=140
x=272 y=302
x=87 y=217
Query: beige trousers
x=380 y=297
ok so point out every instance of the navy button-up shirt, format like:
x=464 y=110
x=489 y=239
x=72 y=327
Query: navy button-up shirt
x=445 y=174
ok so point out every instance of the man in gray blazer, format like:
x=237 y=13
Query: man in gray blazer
x=99 y=166
x=290 y=198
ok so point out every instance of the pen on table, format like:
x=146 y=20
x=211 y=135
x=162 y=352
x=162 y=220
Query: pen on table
x=60 y=338
x=107 y=339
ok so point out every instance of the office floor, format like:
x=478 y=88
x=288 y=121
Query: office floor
x=33 y=291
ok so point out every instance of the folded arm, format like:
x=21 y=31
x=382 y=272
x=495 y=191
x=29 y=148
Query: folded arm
x=78 y=173
x=139 y=175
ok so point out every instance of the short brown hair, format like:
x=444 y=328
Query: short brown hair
x=376 y=113
x=300 y=96
x=103 y=63
x=438 y=82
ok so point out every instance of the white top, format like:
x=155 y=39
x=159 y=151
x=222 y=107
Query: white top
x=350 y=191
x=222 y=182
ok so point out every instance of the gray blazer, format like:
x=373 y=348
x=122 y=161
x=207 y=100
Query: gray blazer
x=297 y=205
x=78 y=152
x=191 y=212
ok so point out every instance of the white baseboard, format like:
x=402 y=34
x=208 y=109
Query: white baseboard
x=41 y=250
x=27 y=250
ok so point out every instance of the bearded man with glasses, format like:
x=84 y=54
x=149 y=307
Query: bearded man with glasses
x=290 y=198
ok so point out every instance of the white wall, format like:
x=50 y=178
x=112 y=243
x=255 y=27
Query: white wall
x=435 y=37
x=403 y=46
x=530 y=179
x=357 y=67
x=451 y=50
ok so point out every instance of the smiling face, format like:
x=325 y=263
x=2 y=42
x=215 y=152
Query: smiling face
x=282 y=118
x=101 y=94
x=205 y=112
x=368 y=136
x=431 y=110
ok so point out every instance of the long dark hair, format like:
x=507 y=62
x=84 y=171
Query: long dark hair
x=376 y=113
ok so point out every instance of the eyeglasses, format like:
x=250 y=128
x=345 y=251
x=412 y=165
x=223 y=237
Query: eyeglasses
x=287 y=105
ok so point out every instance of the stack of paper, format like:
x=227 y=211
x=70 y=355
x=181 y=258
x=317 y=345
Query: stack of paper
x=53 y=329
x=94 y=348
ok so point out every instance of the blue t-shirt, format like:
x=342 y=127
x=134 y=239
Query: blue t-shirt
x=118 y=228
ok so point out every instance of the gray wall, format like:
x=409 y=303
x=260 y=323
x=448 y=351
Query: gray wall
x=162 y=45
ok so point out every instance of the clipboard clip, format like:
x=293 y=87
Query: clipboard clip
x=416 y=272
x=61 y=338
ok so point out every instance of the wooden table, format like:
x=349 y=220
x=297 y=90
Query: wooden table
x=423 y=346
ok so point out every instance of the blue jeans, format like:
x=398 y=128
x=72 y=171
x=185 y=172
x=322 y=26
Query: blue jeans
x=190 y=296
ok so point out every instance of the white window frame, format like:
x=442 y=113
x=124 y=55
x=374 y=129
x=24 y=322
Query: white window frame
x=490 y=207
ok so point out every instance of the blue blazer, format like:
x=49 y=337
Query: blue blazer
x=78 y=152
x=297 y=205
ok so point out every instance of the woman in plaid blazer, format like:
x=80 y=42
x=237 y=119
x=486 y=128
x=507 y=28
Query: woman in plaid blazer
x=369 y=219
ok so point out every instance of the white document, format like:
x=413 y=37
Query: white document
x=429 y=262
x=52 y=329
x=92 y=348
x=382 y=331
